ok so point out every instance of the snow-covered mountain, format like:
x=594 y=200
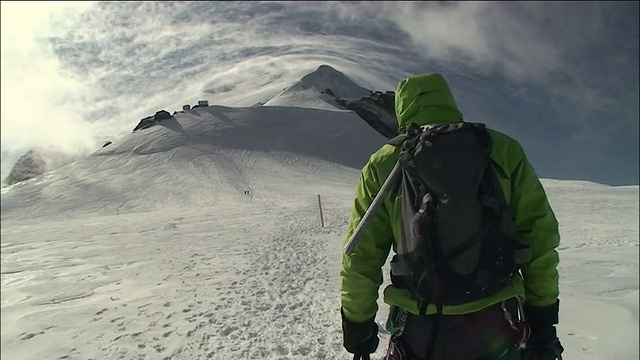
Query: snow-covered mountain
x=226 y=150
x=200 y=237
x=328 y=88
x=319 y=89
x=312 y=91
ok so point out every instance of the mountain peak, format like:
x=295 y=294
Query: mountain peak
x=326 y=77
x=319 y=89
x=323 y=72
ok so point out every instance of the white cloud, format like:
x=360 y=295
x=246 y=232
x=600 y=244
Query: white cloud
x=520 y=40
x=38 y=101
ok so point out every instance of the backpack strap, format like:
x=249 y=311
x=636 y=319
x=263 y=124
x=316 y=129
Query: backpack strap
x=522 y=254
x=397 y=140
x=435 y=332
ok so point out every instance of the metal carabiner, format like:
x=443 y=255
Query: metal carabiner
x=394 y=351
x=520 y=325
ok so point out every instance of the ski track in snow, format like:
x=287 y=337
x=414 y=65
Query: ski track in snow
x=241 y=281
x=221 y=290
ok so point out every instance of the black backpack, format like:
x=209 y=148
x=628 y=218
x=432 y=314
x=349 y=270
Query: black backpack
x=458 y=241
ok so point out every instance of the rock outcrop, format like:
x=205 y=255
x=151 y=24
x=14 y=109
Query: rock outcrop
x=28 y=166
x=149 y=121
x=329 y=88
x=377 y=109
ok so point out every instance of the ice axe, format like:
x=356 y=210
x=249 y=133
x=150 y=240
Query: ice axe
x=389 y=183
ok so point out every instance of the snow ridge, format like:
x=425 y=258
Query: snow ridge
x=221 y=152
x=319 y=89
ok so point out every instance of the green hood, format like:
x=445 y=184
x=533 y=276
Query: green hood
x=425 y=99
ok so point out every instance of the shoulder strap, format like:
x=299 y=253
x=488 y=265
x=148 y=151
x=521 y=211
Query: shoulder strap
x=397 y=140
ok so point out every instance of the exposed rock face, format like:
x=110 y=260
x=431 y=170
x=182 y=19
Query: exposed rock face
x=329 y=88
x=29 y=165
x=162 y=115
x=145 y=123
x=378 y=110
x=149 y=121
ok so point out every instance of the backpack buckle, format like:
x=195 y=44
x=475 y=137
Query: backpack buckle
x=522 y=255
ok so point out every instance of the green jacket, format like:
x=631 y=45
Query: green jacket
x=427 y=99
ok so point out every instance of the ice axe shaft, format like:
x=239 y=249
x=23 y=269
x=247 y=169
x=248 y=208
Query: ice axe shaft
x=377 y=201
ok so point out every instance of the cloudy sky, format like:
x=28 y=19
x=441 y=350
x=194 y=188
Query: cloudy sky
x=560 y=77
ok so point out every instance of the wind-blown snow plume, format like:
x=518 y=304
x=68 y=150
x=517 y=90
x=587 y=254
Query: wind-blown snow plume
x=522 y=68
x=41 y=104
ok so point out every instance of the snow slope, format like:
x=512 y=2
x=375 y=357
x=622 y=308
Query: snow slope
x=203 y=157
x=319 y=89
x=151 y=248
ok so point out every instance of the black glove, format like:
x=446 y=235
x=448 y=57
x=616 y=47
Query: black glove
x=360 y=339
x=543 y=344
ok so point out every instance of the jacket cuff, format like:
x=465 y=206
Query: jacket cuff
x=541 y=317
x=355 y=334
x=353 y=324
